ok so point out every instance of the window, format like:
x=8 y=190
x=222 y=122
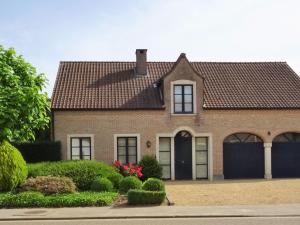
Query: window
x=127 y=149
x=183 y=99
x=201 y=157
x=81 y=148
x=165 y=156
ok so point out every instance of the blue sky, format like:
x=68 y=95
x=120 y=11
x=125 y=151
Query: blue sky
x=46 y=32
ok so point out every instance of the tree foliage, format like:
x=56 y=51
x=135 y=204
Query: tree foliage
x=23 y=105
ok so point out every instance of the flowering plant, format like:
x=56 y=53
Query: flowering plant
x=128 y=170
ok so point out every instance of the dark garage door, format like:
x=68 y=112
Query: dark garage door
x=243 y=156
x=286 y=155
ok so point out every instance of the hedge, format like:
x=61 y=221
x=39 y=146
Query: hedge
x=153 y=184
x=36 y=199
x=142 y=197
x=128 y=183
x=40 y=151
x=82 y=172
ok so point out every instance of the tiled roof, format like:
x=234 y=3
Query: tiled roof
x=113 y=85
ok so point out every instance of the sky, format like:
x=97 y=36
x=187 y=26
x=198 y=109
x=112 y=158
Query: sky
x=47 y=32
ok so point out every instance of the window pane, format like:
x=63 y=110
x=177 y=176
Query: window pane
x=75 y=157
x=188 y=89
x=121 y=141
x=121 y=150
x=188 y=98
x=165 y=158
x=75 y=142
x=201 y=143
x=201 y=157
x=132 y=159
x=178 y=108
x=164 y=144
x=178 y=98
x=86 y=142
x=131 y=141
x=177 y=89
x=166 y=172
x=86 y=151
x=132 y=150
x=122 y=158
x=201 y=171
x=87 y=157
x=75 y=151
x=188 y=107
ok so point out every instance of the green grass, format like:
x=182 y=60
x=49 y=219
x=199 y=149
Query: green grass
x=36 y=199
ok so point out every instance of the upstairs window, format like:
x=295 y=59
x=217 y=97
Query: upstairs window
x=183 y=99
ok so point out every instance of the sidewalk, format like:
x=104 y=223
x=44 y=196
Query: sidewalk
x=150 y=212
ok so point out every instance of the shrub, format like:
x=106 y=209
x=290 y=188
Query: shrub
x=150 y=167
x=115 y=178
x=12 y=166
x=82 y=172
x=153 y=184
x=49 y=185
x=141 y=197
x=102 y=184
x=128 y=170
x=129 y=183
x=40 y=151
x=36 y=199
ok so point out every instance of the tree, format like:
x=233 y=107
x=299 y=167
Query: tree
x=23 y=105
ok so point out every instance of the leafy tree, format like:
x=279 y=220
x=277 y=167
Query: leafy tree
x=23 y=105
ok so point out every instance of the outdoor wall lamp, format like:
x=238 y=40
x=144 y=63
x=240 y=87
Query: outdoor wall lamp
x=148 y=144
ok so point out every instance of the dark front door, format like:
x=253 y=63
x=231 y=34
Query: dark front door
x=183 y=156
x=285 y=159
x=243 y=160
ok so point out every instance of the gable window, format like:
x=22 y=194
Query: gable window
x=81 y=148
x=183 y=98
x=127 y=149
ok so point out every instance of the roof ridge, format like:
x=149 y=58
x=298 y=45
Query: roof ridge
x=213 y=62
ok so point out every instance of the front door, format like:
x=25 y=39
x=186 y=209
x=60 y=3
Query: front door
x=183 y=156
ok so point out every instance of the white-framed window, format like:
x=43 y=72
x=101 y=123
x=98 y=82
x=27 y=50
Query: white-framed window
x=127 y=148
x=165 y=156
x=201 y=149
x=80 y=147
x=183 y=97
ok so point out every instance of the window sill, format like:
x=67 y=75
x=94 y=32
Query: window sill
x=183 y=114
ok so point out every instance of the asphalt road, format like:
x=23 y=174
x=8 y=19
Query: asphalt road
x=171 y=221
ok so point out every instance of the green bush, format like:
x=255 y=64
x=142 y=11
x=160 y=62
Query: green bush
x=151 y=167
x=153 y=184
x=142 y=197
x=13 y=170
x=51 y=151
x=49 y=185
x=128 y=183
x=36 y=199
x=115 y=178
x=82 y=172
x=102 y=184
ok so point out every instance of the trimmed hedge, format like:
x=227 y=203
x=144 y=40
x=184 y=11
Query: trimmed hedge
x=13 y=170
x=82 y=172
x=115 y=178
x=36 y=199
x=101 y=184
x=142 y=197
x=128 y=183
x=153 y=184
x=150 y=167
x=40 y=151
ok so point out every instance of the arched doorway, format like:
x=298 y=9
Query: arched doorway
x=286 y=155
x=243 y=156
x=183 y=156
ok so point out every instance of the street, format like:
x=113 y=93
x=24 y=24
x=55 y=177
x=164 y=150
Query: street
x=171 y=221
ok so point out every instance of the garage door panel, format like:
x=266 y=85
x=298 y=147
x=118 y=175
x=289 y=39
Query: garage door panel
x=286 y=159
x=243 y=160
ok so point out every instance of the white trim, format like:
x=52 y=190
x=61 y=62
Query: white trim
x=69 y=136
x=194 y=134
x=138 y=140
x=183 y=82
x=268 y=160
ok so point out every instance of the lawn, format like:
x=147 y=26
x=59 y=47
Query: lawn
x=234 y=192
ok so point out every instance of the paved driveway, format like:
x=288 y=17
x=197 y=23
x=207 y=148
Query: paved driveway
x=234 y=192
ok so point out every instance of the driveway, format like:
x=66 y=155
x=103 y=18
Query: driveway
x=234 y=192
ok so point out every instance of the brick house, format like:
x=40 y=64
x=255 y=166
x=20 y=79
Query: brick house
x=202 y=120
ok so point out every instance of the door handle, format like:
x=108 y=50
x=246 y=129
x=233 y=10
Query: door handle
x=182 y=161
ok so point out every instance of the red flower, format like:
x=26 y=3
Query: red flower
x=126 y=168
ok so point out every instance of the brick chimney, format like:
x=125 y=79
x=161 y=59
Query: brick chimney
x=141 y=62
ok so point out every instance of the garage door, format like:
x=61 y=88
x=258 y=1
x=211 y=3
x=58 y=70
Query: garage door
x=286 y=155
x=243 y=156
